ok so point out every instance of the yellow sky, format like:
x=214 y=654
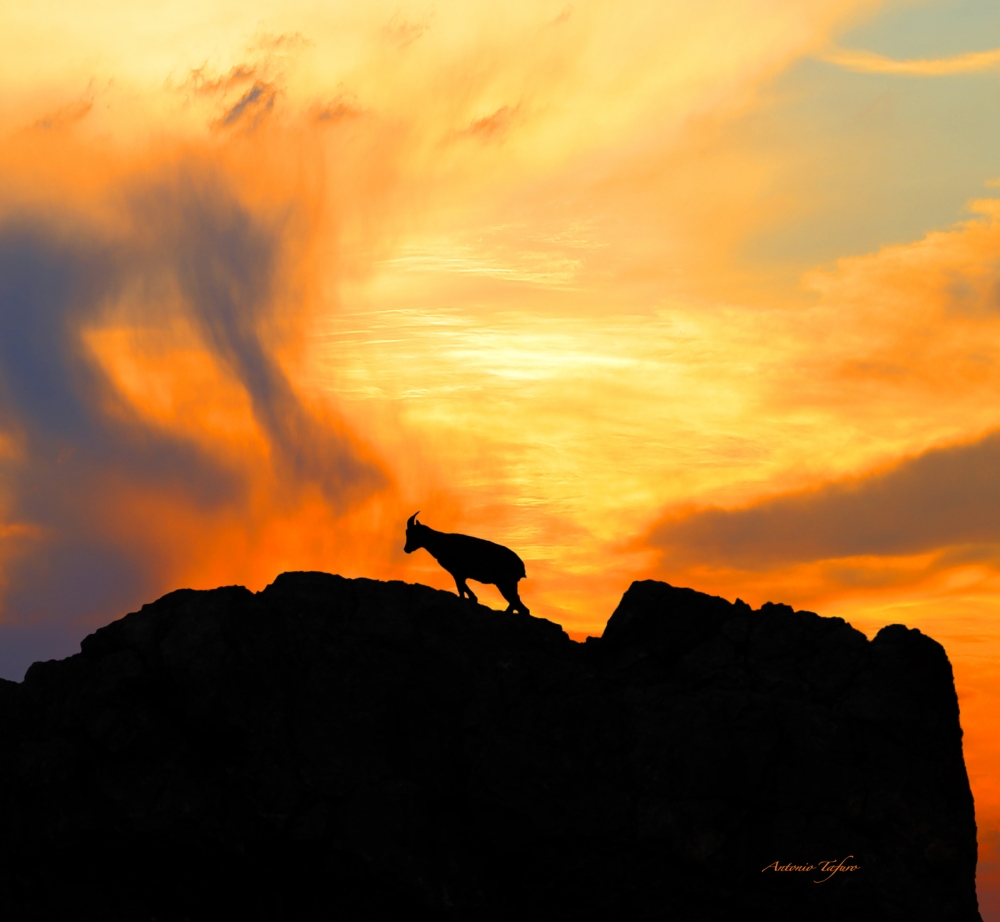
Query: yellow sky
x=646 y=291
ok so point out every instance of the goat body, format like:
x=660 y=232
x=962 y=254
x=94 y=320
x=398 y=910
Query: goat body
x=465 y=557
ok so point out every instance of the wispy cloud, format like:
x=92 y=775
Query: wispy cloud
x=868 y=62
x=337 y=110
x=252 y=108
x=286 y=42
x=562 y=16
x=67 y=115
x=536 y=268
x=402 y=31
x=201 y=81
x=494 y=125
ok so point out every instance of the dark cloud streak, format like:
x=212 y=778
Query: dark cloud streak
x=943 y=498
x=253 y=107
x=226 y=265
x=80 y=441
x=53 y=281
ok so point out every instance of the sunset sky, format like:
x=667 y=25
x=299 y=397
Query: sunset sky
x=703 y=292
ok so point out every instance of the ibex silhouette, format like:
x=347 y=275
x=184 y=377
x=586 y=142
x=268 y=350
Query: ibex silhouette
x=465 y=557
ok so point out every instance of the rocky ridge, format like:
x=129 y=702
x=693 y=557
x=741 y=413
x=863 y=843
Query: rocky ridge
x=350 y=749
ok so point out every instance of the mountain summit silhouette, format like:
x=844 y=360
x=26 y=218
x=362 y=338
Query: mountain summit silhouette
x=346 y=749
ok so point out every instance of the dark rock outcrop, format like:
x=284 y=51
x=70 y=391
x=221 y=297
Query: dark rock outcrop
x=350 y=749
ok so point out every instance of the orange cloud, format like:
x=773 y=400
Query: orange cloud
x=154 y=434
x=867 y=62
x=899 y=362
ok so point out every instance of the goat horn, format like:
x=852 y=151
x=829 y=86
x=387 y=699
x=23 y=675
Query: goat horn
x=412 y=518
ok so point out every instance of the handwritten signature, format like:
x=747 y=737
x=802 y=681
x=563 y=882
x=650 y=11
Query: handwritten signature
x=824 y=867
